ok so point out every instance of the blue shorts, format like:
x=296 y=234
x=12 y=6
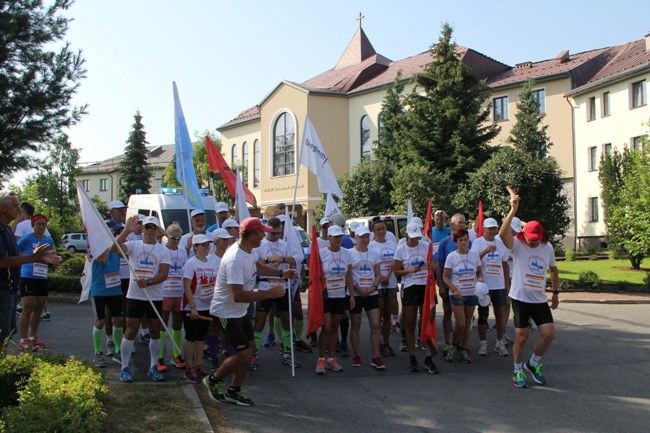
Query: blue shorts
x=467 y=301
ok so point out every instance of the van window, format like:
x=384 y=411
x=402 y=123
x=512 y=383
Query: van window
x=144 y=212
x=180 y=216
x=401 y=224
x=75 y=237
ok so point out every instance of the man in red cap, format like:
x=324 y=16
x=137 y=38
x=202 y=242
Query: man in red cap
x=533 y=256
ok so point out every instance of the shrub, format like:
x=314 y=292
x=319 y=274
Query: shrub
x=59 y=398
x=14 y=373
x=74 y=266
x=64 y=283
x=589 y=279
x=570 y=255
x=646 y=280
x=593 y=250
x=558 y=249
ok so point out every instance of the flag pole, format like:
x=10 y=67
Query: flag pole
x=288 y=281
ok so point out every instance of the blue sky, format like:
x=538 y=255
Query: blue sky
x=225 y=56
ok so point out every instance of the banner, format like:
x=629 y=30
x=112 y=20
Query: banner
x=315 y=314
x=185 y=173
x=409 y=212
x=219 y=165
x=312 y=156
x=331 y=208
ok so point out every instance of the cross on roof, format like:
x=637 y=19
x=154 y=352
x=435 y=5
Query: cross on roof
x=361 y=17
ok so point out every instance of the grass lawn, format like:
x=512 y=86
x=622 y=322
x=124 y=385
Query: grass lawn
x=609 y=271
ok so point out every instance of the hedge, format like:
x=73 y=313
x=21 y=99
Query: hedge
x=64 y=283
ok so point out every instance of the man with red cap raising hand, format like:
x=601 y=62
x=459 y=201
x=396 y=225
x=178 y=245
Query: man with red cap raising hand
x=533 y=256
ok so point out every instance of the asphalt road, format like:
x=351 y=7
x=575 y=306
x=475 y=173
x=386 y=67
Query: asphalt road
x=597 y=369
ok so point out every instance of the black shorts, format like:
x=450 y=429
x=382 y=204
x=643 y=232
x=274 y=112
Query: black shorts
x=387 y=292
x=334 y=305
x=265 y=305
x=136 y=309
x=196 y=329
x=413 y=295
x=523 y=312
x=238 y=332
x=33 y=287
x=124 y=285
x=365 y=303
x=100 y=303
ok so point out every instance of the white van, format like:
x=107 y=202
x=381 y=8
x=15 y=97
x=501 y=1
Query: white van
x=396 y=224
x=169 y=208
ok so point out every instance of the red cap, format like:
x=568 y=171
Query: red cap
x=534 y=231
x=252 y=224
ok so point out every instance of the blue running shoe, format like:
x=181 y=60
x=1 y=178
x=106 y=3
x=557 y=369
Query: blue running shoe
x=519 y=380
x=126 y=376
x=155 y=374
x=270 y=340
x=536 y=372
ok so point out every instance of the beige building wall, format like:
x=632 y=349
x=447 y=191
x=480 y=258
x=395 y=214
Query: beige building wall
x=364 y=104
x=246 y=133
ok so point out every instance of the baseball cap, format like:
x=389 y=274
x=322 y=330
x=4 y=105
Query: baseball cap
x=324 y=221
x=354 y=225
x=229 y=223
x=440 y=211
x=116 y=204
x=334 y=231
x=252 y=224
x=515 y=225
x=200 y=239
x=221 y=207
x=413 y=230
x=361 y=230
x=196 y=212
x=151 y=220
x=483 y=294
x=418 y=221
x=338 y=219
x=222 y=234
x=490 y=222
x=534 y=231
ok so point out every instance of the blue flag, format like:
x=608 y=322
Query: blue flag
x=185 y=173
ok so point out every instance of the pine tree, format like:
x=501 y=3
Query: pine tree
x=390 y=118
x=135 y=173
x=528 y=134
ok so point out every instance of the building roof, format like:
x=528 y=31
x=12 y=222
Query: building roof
x=158 y=158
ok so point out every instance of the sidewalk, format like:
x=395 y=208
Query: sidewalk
x=604 y=298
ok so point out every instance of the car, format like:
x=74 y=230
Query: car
x=74 y=242
x=396 y=224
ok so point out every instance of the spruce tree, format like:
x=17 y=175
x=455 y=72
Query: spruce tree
x=390 y=119
x=135 y=173
x=529 y=134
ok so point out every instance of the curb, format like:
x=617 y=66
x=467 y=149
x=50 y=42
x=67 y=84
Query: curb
x=190 y=393
x=606 y=301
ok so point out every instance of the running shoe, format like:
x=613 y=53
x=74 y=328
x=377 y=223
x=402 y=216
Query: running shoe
x=214 y=365
x=206 y=354
x=536 y=372
x=333 y=365
x=377 y=363
x=155 y=375
x=345 y=353
x=110 y=347
x=270 y=340
x=177 y=361
x=452 y=354
x=98 y=360
x=391 y=352
x=483 y=349
x=501 y=349
x=445 y=350
x=402 y=346
x=46 y=316
x=508 y=340
x=215 y=388
x=39 y=343
x=252 y=364
x=320 y=366
x=26 y=345
x=117 y=358
x=414 y=367
x=160 y=365
x=383 y=349
x=430 y=366
x=192 y=376
x=395 y=327
x=19 y=309
x=126 y=376
x=464 y=356
x=519 y=380
x=419 y=345
x=286 y=359
x=200 y=371
x=145 y=338
x=303 y=347
x=237 y=397
x=356 y=360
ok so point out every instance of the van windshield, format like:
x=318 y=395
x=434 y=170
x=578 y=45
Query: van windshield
x=180 y=216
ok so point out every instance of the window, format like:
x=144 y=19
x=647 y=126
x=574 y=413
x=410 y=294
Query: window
x=256 y=164
x=233 y=157
x=102 y=185
x=244 y=154
x=607 y=148
x=540 y=97
x=85 y=184
x=500 y=109
x=365 y=138
x=605 y=104
x=593 y=159
x=593 y=209
x=637 y=143
x=284 y=145
x=638 y=94
x=591 y=109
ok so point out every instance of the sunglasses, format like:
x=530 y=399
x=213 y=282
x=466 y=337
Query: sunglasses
x=150 y=226
x=173 y=238
x=276 y=233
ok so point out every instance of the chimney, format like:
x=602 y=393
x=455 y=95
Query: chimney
x=563 y=57
x=524 y=65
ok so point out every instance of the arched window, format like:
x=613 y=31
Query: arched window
x=233 y=157
x=244 y=153
x=284 y=145
x=256 y=163
x=365 y=138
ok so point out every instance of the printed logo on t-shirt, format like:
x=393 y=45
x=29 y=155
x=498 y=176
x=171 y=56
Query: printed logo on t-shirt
x=337 y=267
x=536 y=265
x=387 y=254
x=175 y=268
x=493 y=257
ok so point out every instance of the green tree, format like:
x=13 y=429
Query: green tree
x=537 y=181
x=528 y=134
x=445 y=127
x=37 y=82
x=418 y=183
x=135 y=165
x=366 y=189
x=390 y=120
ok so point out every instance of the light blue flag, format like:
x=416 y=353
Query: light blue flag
x=185 y=173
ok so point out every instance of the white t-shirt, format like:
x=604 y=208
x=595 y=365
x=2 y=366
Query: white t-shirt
x=385 y=252
x=463 y=271
x=268 y=249
x=173 y=285
x=363 y=268
x=412 y=257
x=25 y=227
x=335 y=268
x=204 y=277
x=145 y=259
x=529 y=271
x=134 y=237
x=322 y=243
x=425 y=239
x=237 y=267
x=492 y=263
x=185 y=240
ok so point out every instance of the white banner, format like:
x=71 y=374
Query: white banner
x=409 y=212
x=240 y=199
x=331 y=208
x=312 y=156
x=99 y=236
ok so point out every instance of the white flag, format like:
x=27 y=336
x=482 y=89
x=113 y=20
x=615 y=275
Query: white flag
x=86 y=280
x=294 y=245
x=409 y=212
x=331 y=208
x=240 y=199
x=99 y=236
x=312 y=156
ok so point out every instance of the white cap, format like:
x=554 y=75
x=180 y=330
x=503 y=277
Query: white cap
x=418 y=221
x=116 y=204
x=483 y=294
x=516 y=224
x=338 y=219
x=334 y=231
x=200 y=239
x=196 y=212
x=151 y=220
x=413 y=230
x=141 y=217
x=221 y=207
x=354 y=225
x=229 y=223
x=361 y=230
x=490 y=222
x=324 y=221
x=222 y=234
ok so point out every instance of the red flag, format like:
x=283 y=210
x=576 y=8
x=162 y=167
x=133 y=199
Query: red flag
x=315 y=314
x=428 y=223
x=479 y=220
x=218 y=164
x=428 y=325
